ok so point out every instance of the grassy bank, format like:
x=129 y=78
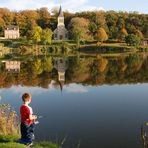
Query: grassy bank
x=9 y=142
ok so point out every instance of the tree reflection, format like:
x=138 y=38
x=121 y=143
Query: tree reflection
x=84 y=70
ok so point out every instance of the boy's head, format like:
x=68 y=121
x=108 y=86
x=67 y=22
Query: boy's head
x=26 y=98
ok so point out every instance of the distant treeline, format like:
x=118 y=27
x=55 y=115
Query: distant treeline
x=114 y=23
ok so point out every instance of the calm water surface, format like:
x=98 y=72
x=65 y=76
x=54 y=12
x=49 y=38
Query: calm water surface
x=93 y=112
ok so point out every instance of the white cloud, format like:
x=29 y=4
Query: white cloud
x=27 y=4
x=70 y=5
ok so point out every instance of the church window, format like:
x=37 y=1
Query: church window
x=55 y=35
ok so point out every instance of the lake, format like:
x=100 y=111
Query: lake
x=87 y=101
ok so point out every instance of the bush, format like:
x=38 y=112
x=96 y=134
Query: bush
x=8 y=120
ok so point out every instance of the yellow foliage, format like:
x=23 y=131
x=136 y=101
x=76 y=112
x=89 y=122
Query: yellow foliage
x=102 y=65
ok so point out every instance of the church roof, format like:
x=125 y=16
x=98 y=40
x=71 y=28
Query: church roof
x=60 y=12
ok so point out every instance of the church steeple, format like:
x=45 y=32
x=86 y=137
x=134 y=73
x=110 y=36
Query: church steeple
x=61 y=17
x=61 y=12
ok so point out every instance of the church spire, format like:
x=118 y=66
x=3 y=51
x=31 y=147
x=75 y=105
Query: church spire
x=61 y=12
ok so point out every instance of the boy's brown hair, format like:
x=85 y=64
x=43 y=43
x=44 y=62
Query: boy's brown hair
x=26 y=97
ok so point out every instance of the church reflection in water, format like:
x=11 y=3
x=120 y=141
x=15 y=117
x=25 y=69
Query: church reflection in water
x=61 y=65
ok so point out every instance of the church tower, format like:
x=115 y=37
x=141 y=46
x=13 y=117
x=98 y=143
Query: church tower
x=60 y=33
x=61 y=18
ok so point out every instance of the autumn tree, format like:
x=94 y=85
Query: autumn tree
x=101 y=35
x=100 y=19
x=138 y=33
x=44 y=17
x=122 y=34
x=79 y=29
x=26 y=20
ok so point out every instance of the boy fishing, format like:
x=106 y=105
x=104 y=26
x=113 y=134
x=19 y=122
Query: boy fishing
x=27 y=121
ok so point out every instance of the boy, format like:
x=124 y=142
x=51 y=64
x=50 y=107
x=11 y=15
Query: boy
x=27 y=120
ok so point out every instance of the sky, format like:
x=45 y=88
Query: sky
x=79 y=5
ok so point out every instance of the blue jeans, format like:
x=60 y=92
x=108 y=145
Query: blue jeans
x=27 y=132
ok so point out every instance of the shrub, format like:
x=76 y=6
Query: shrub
x=132 y=40
x=8 y=120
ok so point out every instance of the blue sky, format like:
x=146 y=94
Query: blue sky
x=79 y=5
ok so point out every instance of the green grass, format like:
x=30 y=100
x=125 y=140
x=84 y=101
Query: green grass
x=36 y=145
x=9 y=142
x=11 y=145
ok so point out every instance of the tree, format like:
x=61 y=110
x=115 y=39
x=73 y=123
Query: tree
x=113 y=32
x=101 y=35
x=122 y=34
x=26 y=20
x=44 y=17
x=46 y=36
x=121 y=23
x=37 y=33
x=2 y=24
x=100 y=18
x=138 y=33
x=79 y=29
x=132 y=40
x=93 y=28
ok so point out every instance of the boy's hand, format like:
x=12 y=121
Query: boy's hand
x=35 y=117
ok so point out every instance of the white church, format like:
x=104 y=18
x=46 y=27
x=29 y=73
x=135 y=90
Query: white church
x=61 y=33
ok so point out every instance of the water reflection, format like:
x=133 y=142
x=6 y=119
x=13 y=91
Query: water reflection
x=61 y=65
x=12 y=66
x=84 y=112
x=87 y=71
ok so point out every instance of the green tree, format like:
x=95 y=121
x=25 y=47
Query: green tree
x=36 y=35
x=132 y=40
x=93 y=28
x=101 y=35
x=46 y=36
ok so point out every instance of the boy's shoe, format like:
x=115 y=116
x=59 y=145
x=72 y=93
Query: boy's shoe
x=30 y=144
